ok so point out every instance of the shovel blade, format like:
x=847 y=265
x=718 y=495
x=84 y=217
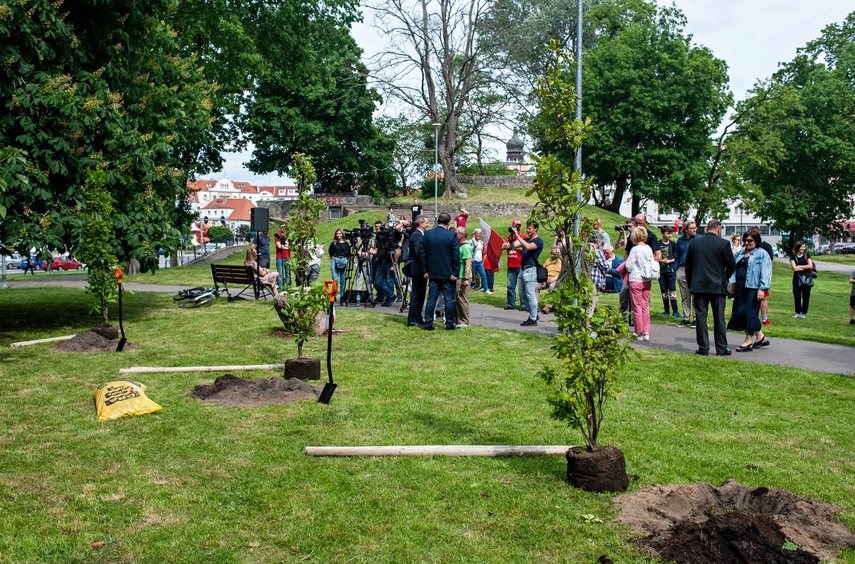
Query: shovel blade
x=326 y=393
x=121 y=345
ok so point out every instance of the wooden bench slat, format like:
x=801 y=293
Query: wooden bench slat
x=226 y=274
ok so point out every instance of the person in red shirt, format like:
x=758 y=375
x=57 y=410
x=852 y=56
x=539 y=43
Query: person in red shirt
x=283 y=258
x=460 y=219
x=514 y=264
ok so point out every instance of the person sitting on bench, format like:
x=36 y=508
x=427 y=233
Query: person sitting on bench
x=267 y=277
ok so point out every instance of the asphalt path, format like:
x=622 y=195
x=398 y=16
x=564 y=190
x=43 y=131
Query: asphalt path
x=807 y=355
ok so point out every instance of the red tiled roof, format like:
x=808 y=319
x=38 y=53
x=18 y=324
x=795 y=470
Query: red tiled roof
x=239 y=206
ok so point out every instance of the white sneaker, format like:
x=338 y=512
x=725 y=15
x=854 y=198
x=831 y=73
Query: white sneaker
x=461 y=325
x=796 y=316
x=803 y=316
x=645 y=337
x=489 y=291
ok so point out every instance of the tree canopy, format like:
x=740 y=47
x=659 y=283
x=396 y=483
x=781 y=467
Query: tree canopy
x=654 y=100
x=92 y=86
x=797 y=147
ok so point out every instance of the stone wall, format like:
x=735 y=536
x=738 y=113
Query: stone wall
x=279 y=209
x=499 y=181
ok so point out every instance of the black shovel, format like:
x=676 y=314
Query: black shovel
x=326 y=394
x=117 y=272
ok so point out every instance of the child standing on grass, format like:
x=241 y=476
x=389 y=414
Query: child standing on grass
x=852 y=299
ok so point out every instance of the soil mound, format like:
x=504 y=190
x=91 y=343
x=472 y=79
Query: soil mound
x=232 y=391
x=88 y=342
x=700 y=524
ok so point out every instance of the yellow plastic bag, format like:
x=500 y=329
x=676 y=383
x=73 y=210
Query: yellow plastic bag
x=122 y=397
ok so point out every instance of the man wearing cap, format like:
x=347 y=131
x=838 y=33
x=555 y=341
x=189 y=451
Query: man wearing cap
x=514 y=257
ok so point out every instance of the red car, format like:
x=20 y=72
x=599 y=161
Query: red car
x=66 y=263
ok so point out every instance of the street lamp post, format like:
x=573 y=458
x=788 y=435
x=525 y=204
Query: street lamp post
x=435 y=172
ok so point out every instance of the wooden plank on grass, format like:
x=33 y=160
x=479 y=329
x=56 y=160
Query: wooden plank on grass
x=37 y=341
x=440 y=450
x=145 y=369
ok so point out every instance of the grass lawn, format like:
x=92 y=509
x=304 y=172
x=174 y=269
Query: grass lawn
x=839 y=259
x=199 y=482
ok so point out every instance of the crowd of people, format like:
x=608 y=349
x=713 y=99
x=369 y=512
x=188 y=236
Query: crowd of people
x=442 y=263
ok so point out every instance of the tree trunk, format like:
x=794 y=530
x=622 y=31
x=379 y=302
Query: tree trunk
x=636 y=205
x=620 y=190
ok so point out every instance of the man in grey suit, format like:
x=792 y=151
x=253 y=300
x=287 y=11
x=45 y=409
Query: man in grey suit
x=709 y=264
x=443 y=266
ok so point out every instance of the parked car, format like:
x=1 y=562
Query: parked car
x=13 y=261
x=843 y=248
x=67 y=263
x=823 y=250
x=37 y=264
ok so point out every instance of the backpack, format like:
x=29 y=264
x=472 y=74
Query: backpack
x=649 y=269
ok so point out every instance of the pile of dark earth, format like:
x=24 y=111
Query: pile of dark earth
x=232 y=391
x=701 y=524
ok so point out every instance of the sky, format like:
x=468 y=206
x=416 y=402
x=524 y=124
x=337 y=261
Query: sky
x=752 y=36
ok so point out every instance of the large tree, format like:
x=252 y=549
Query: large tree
x=654 y=100
x=92 y=86
x=797 y=147
x=312 y=97
x=434 y=64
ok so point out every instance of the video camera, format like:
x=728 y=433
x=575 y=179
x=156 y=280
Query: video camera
x=624 y=227
x=360 y=234
x=387 y=239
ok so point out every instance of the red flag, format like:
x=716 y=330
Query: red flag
x=493 y=243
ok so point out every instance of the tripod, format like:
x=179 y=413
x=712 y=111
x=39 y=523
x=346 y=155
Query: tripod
x=402 y=283
x=355 y=269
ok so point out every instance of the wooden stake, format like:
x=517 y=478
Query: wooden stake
x=37 y=341
x=435 y=450
x=143 y=369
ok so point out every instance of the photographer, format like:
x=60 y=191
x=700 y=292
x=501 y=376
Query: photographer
x=339 y=252
x=385 y=254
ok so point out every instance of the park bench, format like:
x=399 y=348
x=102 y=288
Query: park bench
x=226 y=274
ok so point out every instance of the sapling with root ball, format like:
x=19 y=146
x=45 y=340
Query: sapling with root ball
x=592 y=343
x=299 y=306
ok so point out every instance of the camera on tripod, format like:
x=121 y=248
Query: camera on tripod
x=387 y=239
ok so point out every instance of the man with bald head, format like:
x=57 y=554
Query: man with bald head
x=652 y=240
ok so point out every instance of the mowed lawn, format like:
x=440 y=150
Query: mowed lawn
x=200 y=482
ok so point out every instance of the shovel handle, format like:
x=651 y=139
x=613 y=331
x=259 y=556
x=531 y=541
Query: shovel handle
x=331 y=289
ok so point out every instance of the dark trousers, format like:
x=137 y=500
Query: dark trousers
x=417 y=300
x=702 y=302
x=801 y=295
x=446 y=287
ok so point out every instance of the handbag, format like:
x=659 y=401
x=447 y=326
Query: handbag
x=407 y=269
x=805 y=279
x=650 y=270
x=542 y=273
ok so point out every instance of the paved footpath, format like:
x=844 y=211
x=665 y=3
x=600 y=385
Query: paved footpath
x=818 y=357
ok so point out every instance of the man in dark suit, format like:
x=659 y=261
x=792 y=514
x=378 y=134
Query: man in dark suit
x=709 y=264
x=418 y=269
x=443 y=265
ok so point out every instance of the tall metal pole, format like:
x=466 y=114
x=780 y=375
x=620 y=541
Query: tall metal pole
x=577 y=164
x=435 y=172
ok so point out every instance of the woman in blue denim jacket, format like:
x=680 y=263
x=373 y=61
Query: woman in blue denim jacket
x=752 y=277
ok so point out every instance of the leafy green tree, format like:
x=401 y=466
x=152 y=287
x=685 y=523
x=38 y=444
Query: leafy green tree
x=413 y=153
x=796 y=148
x=655 y=100
x=591 y=345
x=95 y=237
x=93 y=86
x=319 y=104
